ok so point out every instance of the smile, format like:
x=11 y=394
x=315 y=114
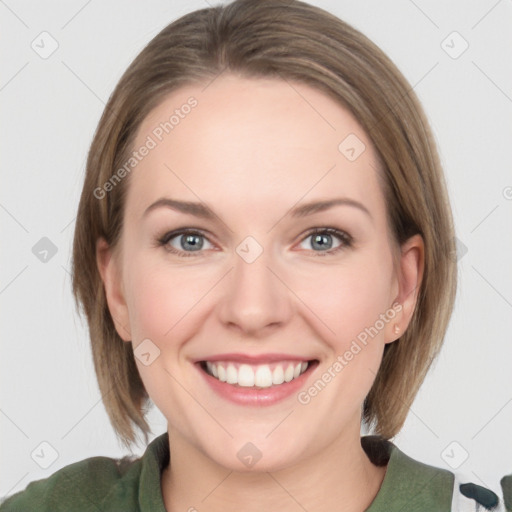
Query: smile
x=252 y=375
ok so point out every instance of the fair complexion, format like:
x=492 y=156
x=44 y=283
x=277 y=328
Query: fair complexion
x=251 y=151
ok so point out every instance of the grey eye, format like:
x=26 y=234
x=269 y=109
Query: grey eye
x=322 y=241
x=188 y=242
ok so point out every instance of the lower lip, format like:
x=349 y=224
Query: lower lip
x=257 y=396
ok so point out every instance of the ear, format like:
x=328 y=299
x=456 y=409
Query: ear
x=109 y=269
x=409 y=277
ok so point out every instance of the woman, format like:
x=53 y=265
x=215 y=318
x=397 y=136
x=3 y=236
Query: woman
x=264 y=250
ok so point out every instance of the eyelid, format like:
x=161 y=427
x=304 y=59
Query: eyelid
x=168 y=235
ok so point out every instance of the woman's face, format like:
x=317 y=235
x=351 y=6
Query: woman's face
x=253 y=278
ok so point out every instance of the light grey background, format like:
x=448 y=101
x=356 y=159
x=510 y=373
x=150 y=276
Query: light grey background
x=50 y=110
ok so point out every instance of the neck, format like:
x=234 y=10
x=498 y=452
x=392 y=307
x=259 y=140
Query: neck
x=339 y=477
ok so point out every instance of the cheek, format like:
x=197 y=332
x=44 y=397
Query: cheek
x=152 y=304
x=160 y=297
x=349 y=297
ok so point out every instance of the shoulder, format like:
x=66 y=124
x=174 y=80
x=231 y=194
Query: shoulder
x=410 y=484
x=93 y=484
x=83 y=485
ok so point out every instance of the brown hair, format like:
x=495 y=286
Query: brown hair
x=297 y=42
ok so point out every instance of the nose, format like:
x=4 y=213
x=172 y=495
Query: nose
x=255 y=298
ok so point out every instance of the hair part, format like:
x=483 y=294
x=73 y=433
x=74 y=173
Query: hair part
x=301 y=43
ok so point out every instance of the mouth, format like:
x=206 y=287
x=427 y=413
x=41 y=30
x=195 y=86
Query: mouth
x=257 y=376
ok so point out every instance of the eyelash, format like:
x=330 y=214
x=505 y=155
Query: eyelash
x=345 y=238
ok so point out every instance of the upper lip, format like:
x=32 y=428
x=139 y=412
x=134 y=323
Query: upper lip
x=253 y=358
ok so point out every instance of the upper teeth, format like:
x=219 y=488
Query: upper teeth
x=261 y=375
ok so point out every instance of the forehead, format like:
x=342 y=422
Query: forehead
x=243 y=142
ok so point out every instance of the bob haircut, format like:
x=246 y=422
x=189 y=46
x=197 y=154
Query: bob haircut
x=301 y=43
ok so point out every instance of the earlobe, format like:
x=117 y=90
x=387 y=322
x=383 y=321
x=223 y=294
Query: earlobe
x=108 y=267
x=410 y=277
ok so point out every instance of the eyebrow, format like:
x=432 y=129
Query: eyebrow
x=202 y=211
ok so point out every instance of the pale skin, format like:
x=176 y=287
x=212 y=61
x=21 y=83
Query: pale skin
x=251 y=150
